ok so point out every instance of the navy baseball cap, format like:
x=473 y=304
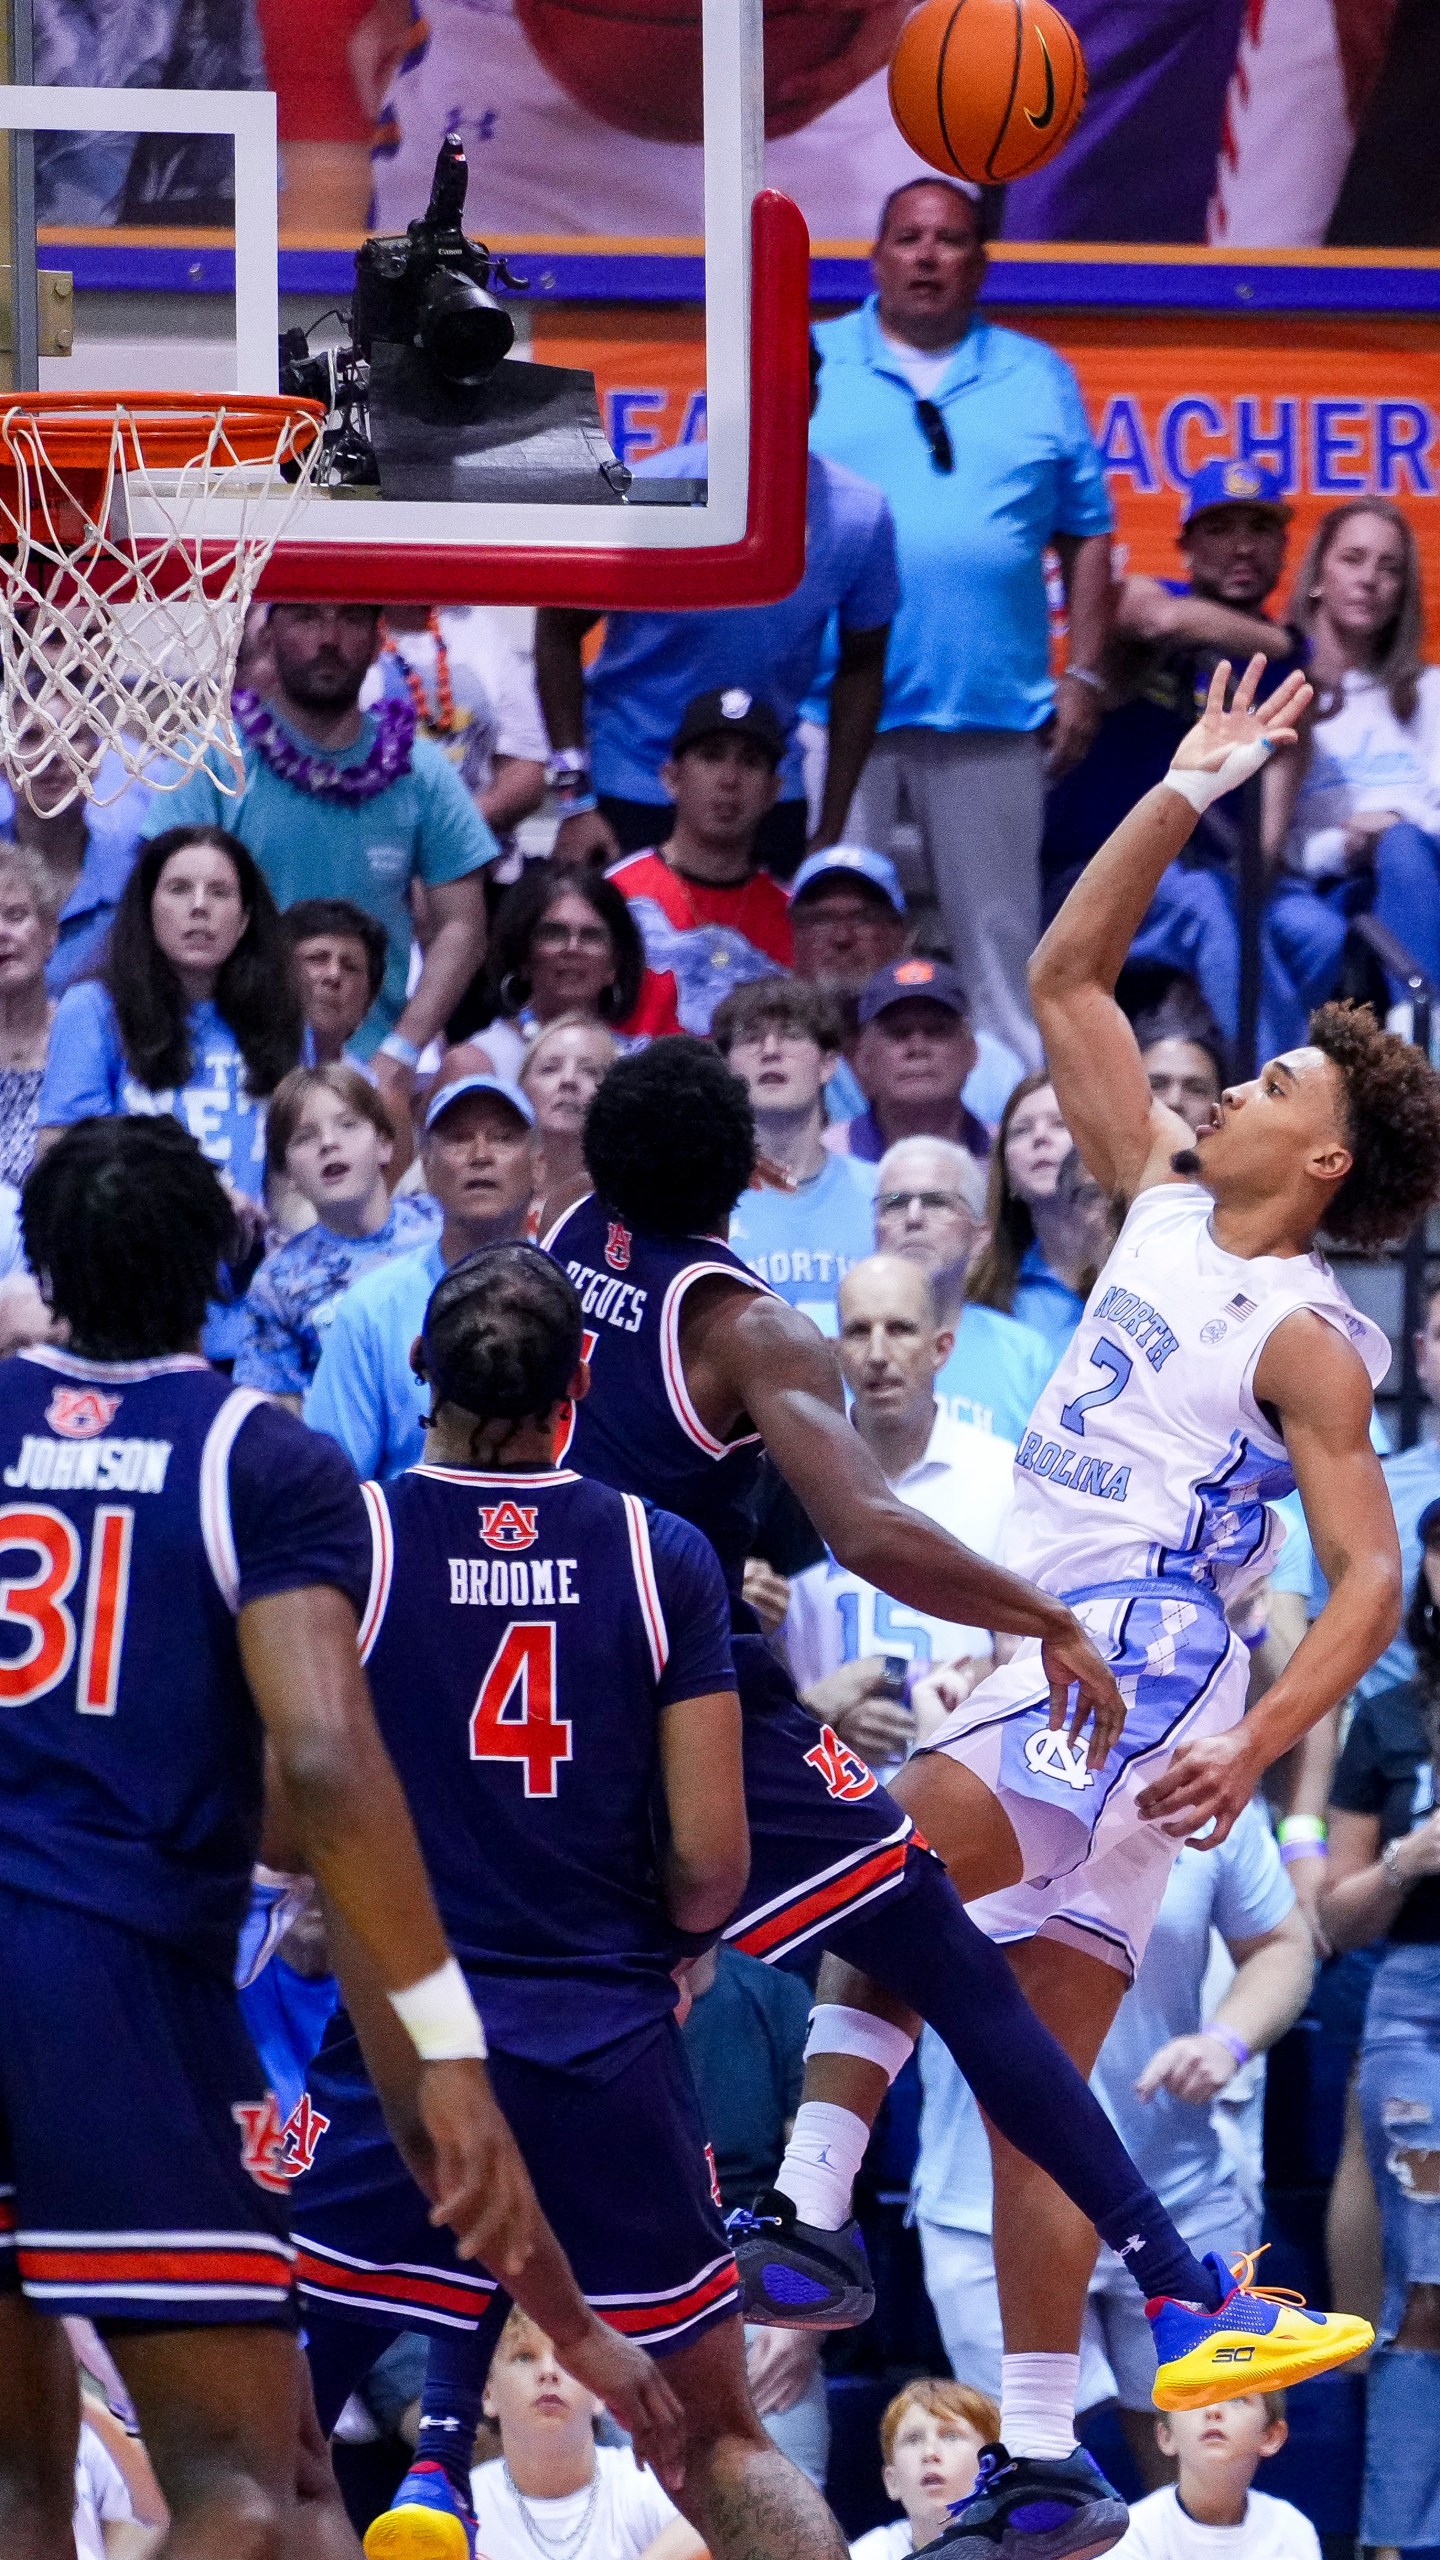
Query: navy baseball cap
x=1235 y=484
x=934 y=980
x=730 y=712
x=855 y=861
x=1427 y=1527
x=440 y=1101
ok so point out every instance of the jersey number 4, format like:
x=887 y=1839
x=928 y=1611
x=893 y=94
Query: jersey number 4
x=35 y=1604
x=514 y=1716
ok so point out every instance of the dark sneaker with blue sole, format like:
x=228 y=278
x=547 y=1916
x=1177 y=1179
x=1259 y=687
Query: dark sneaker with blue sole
x=794 y=2276
x=1025 y=2509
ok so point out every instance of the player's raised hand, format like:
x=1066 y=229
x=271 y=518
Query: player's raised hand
x=1232 y=744
x=477 y=2181
x=1209 y=1782
x=1072 y=1663
x=635 y=2392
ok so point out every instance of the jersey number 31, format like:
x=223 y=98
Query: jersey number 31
x=522 y=1676
x=36 y=1604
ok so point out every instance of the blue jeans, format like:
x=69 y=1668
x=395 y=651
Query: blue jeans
x=1400 y=885
x=1193 y=924
x=1400 y=2104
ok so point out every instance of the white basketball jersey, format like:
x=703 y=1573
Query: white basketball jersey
x=1147 y=1454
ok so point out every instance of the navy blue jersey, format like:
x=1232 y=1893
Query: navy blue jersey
x=637 y=1428
x=144 y=1504
x=522 y=1636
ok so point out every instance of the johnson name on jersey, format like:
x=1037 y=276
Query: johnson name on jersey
x=148 y=1502
x=1147 y=1454
x=523 y=1636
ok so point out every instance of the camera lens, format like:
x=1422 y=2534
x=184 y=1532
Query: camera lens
x=462 y=336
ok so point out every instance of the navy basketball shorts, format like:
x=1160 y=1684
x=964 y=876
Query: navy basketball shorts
x=141 y=2155
x=620 y=2165
x=826 y=1840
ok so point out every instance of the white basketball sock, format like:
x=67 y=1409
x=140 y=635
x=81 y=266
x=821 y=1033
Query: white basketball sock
x=1037 y=2405
x=821 y=2163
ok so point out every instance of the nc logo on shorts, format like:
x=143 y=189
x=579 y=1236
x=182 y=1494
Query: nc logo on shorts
x=1054 y=1755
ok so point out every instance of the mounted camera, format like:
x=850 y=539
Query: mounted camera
x=427 y=287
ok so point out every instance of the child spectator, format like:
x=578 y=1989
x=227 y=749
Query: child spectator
x=783 y=1039
x=1212 y=2512
x=553 y=2486
x=930 y=2442
x=329 y=1135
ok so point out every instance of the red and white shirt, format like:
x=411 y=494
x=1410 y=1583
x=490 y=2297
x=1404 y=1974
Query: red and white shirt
x=708 y=939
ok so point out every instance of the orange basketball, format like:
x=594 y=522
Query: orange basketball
x=987 y=89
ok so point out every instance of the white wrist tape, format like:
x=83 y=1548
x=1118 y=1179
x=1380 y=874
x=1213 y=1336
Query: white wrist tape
x=440 y=2018
x=835 y=2029
x=1201 y=788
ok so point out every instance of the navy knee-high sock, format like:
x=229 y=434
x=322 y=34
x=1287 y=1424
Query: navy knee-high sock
x=922 y=1945
x=340 y=2354
x=451 y=2400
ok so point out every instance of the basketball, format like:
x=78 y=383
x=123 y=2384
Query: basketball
x=636 y=63
x=987 y=89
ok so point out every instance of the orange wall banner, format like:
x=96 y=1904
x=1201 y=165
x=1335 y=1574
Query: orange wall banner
x=1339 y=408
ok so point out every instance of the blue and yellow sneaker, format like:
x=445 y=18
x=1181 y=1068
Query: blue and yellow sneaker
x=797 y=2277
x=1023 y=2508
x=1261 y=2338
x=430 y=2520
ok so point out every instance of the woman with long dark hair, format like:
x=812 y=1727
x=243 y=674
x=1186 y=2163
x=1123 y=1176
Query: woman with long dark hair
x=196 y=1011
x=1383 y=1888
x=566 y=942
x=1049 y=1227
x=1365 y=826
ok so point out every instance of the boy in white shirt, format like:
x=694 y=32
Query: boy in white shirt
x=930 y=2441
x=1212 y=2513
x=554 y=2491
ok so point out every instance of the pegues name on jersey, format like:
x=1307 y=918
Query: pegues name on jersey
x=616 y=1302
x=1099 y=1477
x=90 y=1466
x=514 y=1582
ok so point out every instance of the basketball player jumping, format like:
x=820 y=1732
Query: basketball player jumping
x=1217 y=1365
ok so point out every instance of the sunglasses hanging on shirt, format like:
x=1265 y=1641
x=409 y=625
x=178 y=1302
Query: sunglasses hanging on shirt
x=936 y=434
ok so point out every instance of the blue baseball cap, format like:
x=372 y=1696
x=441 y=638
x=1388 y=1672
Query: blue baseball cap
x=1235 y=484
x=441 y=1099
x=859 y=861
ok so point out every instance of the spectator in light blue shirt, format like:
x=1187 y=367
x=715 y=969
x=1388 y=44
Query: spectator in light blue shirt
x=930 y=1209
x=979 y=439
x=89 y=851
x=1169 y=2055
x=612 y=728
x=1050 y=1227
x=783 y=1038
x=478 y=1154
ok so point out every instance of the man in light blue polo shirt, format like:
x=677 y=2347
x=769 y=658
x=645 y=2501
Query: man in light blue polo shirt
x=479 y=1158
x=611 y=729
x=979 y=439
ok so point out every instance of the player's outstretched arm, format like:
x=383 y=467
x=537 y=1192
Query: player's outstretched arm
x=707 y=1859
x=1124 y=1137
x=1316 y=1382
x=769 y=1362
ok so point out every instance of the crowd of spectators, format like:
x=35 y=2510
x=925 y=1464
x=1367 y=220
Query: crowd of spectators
x=380 y=985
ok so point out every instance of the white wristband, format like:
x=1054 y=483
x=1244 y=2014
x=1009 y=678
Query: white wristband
x=440 y=2018
x=1201 y=788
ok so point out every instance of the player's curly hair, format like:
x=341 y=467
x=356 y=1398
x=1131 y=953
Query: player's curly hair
x=1393 y=1097
x=125 y=1228
x=670 y=1139
x=502 y=1334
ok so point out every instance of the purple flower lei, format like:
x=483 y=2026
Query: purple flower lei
x=318 y=775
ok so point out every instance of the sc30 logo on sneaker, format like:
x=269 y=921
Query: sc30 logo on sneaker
x=1054 y=1755
x=275 y=2150
x=844 y=1772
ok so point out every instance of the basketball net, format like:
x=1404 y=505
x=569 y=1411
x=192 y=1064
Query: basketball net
x=122 y=603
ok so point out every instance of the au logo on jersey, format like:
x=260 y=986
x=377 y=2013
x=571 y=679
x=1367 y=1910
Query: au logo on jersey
x=81 y=1413
x=262 y=2143
x=508 y=1525
x=1054 y=1755
x=842 y=1769
x=617 y=1245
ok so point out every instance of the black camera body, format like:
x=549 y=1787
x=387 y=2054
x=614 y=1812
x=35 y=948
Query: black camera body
x=425 y=288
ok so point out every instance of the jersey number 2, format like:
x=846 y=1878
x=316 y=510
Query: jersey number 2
x=1117 y=1365
x=523 y=1672
x=36 y=1603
